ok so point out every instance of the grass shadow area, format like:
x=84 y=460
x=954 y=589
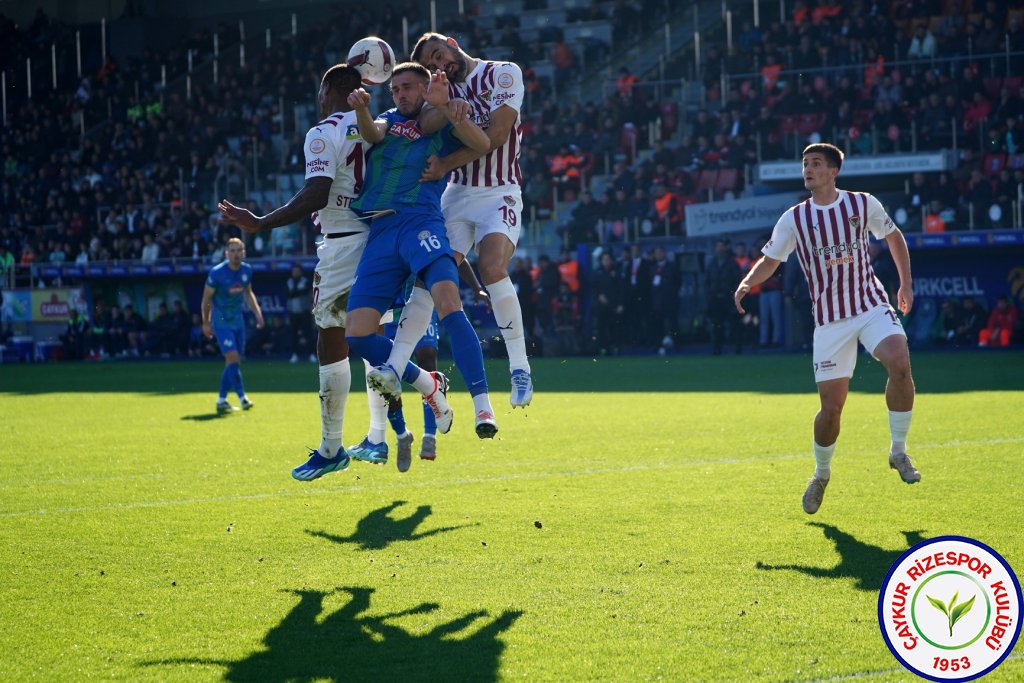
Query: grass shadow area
x=866 y=564
x=770 y=373
x=350 y=644
x=378 y=529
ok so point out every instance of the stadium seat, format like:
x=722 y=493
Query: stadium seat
x=1015 y=161
x=810 y=123
x=992 y=87
x=787 y=124
x=726 y=180
x=1013 y=83
x=992 y=164
x=706 y=179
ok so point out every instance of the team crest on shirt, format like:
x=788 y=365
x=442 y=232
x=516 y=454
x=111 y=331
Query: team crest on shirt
x=316 y=278
x=424 y=234
x=317 y=145
x=485 y=95
x=509 y=199
x=855 y=222
x=245 y=278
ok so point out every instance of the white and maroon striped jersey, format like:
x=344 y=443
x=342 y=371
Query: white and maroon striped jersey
x=334 y=149
x=831 y=244
x=489 y=86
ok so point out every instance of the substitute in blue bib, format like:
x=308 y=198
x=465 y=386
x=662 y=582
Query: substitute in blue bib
x=227 y=286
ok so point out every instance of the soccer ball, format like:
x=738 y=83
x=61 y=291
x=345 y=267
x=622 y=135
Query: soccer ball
x=374 y=59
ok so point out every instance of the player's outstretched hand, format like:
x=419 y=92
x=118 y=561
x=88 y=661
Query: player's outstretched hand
x=458 y=110
x=433 y=171
x=437 y=89
x=905 y=299
x=482 y=297
x=741 y=292
x=359 y=99
x=236 y=215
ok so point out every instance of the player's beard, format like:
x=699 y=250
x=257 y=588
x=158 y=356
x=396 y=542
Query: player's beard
x=458 y=69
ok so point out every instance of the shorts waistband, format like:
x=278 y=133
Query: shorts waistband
x=335 y=235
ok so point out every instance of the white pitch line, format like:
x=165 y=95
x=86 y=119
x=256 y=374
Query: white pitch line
x=468 y=480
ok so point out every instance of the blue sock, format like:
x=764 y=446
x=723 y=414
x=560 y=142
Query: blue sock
x=239 y=387
x=397 y=420
x=429 y=424
x=374 y=348
x=469 y=358
x=227 y=380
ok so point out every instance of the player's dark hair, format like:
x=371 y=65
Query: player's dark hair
x=421 y=44
x=415 y=67
x=833 y=155
x=343 y=78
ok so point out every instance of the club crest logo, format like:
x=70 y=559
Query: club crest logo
x=506 y=80
x=949 y=609
x=855 y=222
x=485 y=95
x=317 y=145
x=509 y=200
x=424 y=234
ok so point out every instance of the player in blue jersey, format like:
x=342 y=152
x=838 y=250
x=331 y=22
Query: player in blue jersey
x=227 y=285
x=412 y=239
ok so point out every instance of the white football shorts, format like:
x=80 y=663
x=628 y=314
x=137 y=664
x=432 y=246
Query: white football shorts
x=470 y=213
x=835 y=344
x=333 y=278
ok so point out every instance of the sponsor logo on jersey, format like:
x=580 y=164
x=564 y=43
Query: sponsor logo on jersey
x=352 y=133
x=407 y=129
x=317 y=166
x=316 y=278
x=485 y=95
x=502 y=97
x=235 y=290
x=506 y=80
x=317 y=145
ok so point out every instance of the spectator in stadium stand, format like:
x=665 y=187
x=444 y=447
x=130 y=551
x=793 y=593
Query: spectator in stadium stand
x=76 y=337
x=182 y=324
x=721 y=275
x=300 y=317
x=923 y=44
x=607 y=292
x=569 y=270
x=796 y=292
x=1001 y=324
x=162 y=333
x=665 y=284
x=637 y=278
x=115 y=340
x=583 y=220
x=667 y=208
x=548 y=280
x=626 y=81
x=770 y=310
x=972 y=320
x=933 y=221
x=135 y=329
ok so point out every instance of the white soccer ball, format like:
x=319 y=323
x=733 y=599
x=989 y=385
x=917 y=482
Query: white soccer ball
x=374 y=59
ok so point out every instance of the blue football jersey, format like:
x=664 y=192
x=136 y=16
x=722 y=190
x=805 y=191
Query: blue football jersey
x=229 y=286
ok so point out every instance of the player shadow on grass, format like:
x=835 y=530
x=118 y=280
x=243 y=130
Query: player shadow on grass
x=351 y=645
x=206 y=417
x=378 y=529
x=868 y=564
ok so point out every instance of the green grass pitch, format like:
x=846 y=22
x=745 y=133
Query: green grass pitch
x=640 y=521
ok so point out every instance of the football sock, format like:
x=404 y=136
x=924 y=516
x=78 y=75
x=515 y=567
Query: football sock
x=335 y=381
x=899 y=426
x=397 y=420
x=469 y=358
x=429 y=423
x=509 y=317
x=411 y=327
x=239 y=387
x=482 y=402
x=823 y=460
x=227 y=378
x=378 y=412
x=373 y=348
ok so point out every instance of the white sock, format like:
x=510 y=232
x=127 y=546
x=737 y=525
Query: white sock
x=411 y=327
x=378 y=412
x=424 y=383
x=509 y=317
x=483 y=402
x=823 y=460
x=899 y=426
x=335 y=381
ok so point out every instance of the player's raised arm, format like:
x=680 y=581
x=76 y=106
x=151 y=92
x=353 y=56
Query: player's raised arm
x=312 y=196
x=762 y=270
x=370 y=130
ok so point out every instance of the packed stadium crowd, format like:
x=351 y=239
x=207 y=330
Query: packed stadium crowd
x=119 y=167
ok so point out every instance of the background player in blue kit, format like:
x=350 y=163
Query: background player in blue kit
x=413 y=240
x=228 y=283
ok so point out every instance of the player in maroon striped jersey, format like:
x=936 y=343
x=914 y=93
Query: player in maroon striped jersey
x=829 y=232
x=483 y=203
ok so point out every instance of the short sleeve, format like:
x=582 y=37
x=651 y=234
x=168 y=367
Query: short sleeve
x=508 y=86
x=783 y=239
x=321 y=154
x=879 y=222
x=210 y=282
